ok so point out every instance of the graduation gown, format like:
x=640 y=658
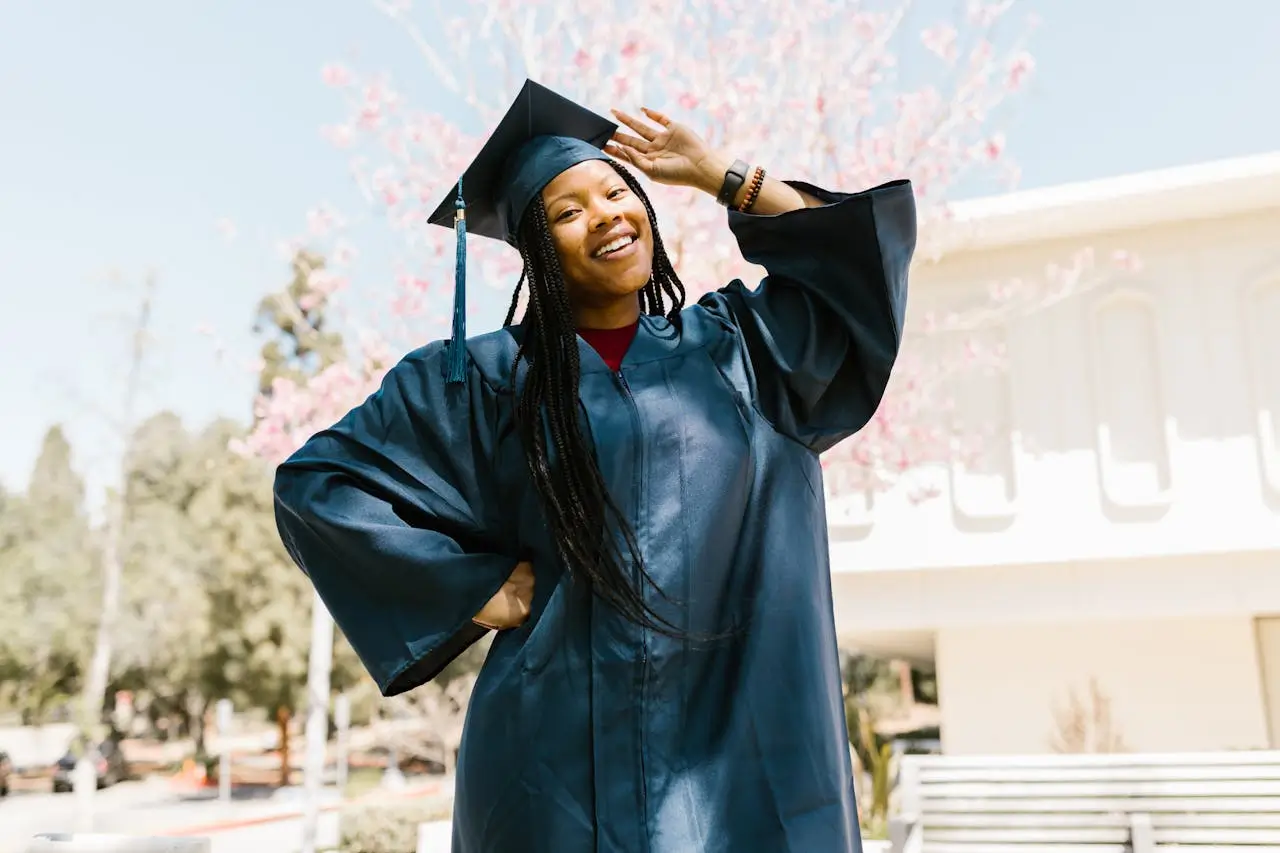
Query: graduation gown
x=586 y=732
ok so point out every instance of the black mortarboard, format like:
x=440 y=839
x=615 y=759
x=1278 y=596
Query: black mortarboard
x=541 y=135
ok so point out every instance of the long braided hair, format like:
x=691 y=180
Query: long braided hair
x=575 y=499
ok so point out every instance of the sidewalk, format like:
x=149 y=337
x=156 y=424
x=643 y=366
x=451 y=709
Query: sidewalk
x=287 y=805
x=270 y=822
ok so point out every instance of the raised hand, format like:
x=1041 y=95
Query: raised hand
x=665 y=151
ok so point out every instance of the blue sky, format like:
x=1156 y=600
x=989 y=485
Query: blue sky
x=131 y=127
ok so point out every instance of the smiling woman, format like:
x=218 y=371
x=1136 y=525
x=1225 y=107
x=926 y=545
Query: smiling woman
x=601 y=231
x=628 y=490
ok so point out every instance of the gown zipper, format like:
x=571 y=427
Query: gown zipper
x=644 y=636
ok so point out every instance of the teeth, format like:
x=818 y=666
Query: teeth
x=613 y=245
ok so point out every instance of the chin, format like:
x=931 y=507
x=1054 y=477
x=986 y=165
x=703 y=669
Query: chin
x=637 y=284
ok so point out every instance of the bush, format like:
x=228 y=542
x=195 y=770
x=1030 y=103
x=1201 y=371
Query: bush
x=390 y=826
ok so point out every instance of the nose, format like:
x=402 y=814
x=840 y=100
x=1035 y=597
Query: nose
x=603 y=216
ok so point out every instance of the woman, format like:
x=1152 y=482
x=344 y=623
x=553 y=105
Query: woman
x=629 y=492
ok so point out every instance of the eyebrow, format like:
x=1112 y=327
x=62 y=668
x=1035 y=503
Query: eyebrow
x=607 y=179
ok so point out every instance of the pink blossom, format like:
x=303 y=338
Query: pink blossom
x=983 y=14
x=994 y=147
x=321 y=221
x=226 y=228
x=941 y=41
x=334 y=74
x=338 y=135
x=325 y=282
x=843 y=119
x=343 y=253
x=288 y=249
x=407 y=281
x=1020 y=68
x=387 y=185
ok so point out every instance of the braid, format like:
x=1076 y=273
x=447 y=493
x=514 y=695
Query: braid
x=580 y=510
x=515 y=297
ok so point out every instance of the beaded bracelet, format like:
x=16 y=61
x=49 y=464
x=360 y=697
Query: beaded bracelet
x=753 y=192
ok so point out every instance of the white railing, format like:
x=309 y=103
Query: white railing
x=1118 y=803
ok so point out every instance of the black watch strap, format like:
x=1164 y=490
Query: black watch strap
x=734 y=178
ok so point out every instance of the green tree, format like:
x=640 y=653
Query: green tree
x=162 y=635
x=256 y=648
x=48 y=586
x=299 y=345
x=295 y=323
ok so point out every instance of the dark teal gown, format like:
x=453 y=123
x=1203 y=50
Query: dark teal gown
x=586 y=732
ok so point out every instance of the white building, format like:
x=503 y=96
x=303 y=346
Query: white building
x=1128 y=530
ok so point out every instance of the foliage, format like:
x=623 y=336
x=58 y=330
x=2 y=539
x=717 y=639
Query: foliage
x=876 y=756
x=872 y=688
x=256 y=653
x=853 y=119
x=1084 y=724
x=48 y=586
x=212 y=607
x=164 y=622
x=426 y=723
x=294 y=322
x=389 y=827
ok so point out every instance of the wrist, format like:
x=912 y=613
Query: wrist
x=711 y=171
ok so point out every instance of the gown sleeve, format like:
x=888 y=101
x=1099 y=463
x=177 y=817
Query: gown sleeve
x=389 y=514
x=822 y=331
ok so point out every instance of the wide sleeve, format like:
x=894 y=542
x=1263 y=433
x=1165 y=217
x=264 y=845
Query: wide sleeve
x=822 y=331
x=390 y=514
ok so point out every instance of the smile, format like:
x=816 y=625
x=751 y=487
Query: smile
x=613 y=248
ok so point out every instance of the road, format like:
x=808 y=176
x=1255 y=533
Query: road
x=154 y=807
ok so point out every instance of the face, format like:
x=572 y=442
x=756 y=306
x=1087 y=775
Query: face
x=591 y=210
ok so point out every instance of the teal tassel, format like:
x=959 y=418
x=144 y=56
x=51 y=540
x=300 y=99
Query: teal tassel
x=458 y=343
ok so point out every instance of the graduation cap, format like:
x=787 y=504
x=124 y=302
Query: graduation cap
x=542 y=134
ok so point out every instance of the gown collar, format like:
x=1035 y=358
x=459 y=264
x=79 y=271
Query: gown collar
x=656 y=338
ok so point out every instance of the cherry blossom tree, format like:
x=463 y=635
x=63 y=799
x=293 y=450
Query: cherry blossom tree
x=844 y=94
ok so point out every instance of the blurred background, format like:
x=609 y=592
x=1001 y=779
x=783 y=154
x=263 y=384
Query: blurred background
x=1058 y=536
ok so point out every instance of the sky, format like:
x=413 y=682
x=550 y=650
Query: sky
x=129 y=129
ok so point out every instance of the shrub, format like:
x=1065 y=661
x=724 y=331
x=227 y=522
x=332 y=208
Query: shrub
x=390 y=826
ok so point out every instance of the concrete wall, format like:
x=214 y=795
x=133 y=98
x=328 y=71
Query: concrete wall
x=1173 y=684
x=1138 y=417
x=1114 y=512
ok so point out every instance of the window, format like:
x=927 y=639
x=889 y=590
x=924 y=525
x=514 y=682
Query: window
x=982 y=472
x=1262 y=319
x=1132 y=430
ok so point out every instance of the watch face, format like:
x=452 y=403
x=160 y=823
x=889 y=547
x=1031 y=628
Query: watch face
x=734 y=178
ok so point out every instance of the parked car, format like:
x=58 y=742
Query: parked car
x=6 y=770
x=108 y=763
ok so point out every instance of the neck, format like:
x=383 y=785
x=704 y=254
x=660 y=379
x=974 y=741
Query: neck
x=615 y=315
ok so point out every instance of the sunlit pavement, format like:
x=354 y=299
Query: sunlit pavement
x=154 y=806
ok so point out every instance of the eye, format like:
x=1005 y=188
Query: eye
x=566 y=213
x=616 y=192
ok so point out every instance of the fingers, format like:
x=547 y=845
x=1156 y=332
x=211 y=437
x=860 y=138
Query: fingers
x=627 y=155
x=636 y=124
x=630 y=141
x=631 y=157
x=654 y=115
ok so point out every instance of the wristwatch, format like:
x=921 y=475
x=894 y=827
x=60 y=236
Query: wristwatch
x=734 y=177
